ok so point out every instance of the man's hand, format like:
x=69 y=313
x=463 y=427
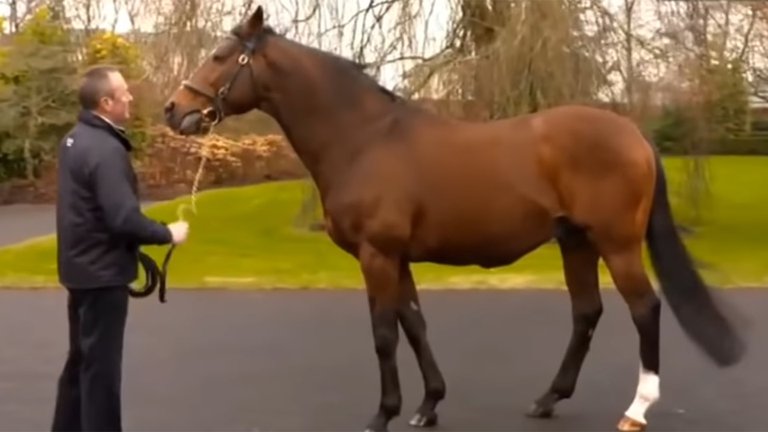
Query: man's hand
x=179 y=231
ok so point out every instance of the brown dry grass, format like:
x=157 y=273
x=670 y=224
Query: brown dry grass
x=167 y=165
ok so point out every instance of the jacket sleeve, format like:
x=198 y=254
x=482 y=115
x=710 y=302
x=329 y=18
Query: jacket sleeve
x=112 y=182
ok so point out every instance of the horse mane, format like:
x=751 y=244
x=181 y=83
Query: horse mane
x=356 y=68
x=360 y=68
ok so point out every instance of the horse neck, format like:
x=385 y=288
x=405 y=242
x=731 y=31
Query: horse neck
x=323 y=131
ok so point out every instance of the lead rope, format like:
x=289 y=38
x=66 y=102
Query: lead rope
x=156 y=277
x=193 y=195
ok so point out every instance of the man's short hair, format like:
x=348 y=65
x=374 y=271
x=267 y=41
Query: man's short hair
x=95 y=85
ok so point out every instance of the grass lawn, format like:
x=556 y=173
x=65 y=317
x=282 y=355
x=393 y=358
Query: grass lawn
x=244 y=238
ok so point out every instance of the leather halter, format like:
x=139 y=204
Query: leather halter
x=218 y=97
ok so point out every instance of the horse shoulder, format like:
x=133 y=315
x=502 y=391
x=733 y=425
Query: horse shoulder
x=372 y=205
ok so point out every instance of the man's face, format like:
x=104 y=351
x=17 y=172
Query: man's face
x=117 y=106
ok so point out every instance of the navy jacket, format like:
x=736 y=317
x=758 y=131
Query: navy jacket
x=99 y=223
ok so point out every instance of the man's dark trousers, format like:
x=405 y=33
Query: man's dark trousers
x=88 y=396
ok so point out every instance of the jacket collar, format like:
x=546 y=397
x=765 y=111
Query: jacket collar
x=91 y=119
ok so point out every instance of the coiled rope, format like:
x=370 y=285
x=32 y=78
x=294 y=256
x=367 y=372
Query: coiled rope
x=156 y=277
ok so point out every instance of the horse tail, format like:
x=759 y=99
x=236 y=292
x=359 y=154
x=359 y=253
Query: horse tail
x=689 y=298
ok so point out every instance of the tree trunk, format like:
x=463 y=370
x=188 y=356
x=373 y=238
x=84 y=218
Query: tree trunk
x=28 y=162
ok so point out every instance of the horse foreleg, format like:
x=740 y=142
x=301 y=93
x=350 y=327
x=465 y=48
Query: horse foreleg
x=580 y=264
x=381 y=274
x=415 y=328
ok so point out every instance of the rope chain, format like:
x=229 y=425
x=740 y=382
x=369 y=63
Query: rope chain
x=196 y=182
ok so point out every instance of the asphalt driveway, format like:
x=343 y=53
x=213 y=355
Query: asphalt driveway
x=301 y=361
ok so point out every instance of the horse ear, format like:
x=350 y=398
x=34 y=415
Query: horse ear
x=256 y=21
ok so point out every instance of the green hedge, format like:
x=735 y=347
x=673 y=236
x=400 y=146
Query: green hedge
x=753 y=144
x=673 y=136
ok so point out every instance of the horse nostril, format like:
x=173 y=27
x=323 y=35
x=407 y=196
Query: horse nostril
x=169 y=107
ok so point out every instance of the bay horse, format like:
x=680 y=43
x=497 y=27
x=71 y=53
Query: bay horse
x=400 y=185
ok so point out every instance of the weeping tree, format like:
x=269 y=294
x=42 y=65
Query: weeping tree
x=515 y=57
x=707 y=45
x=310 y=215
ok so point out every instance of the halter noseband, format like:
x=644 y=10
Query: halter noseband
x=217 y=98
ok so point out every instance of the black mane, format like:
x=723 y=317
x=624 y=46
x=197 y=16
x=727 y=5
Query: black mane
x=360 y=68
x=356 y=68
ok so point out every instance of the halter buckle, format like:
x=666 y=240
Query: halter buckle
x=243 y=59
x=211 y=115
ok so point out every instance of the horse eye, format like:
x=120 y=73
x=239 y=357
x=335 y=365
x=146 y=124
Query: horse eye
x=220 y=54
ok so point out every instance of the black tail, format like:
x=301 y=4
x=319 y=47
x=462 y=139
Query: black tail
x=689 y=298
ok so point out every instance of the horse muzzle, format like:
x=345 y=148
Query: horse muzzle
x=191 y=123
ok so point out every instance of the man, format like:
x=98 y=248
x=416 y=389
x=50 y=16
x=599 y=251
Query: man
x=100 y=228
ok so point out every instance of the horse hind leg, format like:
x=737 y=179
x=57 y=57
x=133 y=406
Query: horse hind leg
x=580 y=260
x=415 y=328
x=625 y=265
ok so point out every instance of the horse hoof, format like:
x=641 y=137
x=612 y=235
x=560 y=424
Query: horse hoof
x=540 y=411
x=377 y=424
x=630 y=425
x=424 y=421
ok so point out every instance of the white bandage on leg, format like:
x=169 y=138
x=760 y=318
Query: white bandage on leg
x=647 y=394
